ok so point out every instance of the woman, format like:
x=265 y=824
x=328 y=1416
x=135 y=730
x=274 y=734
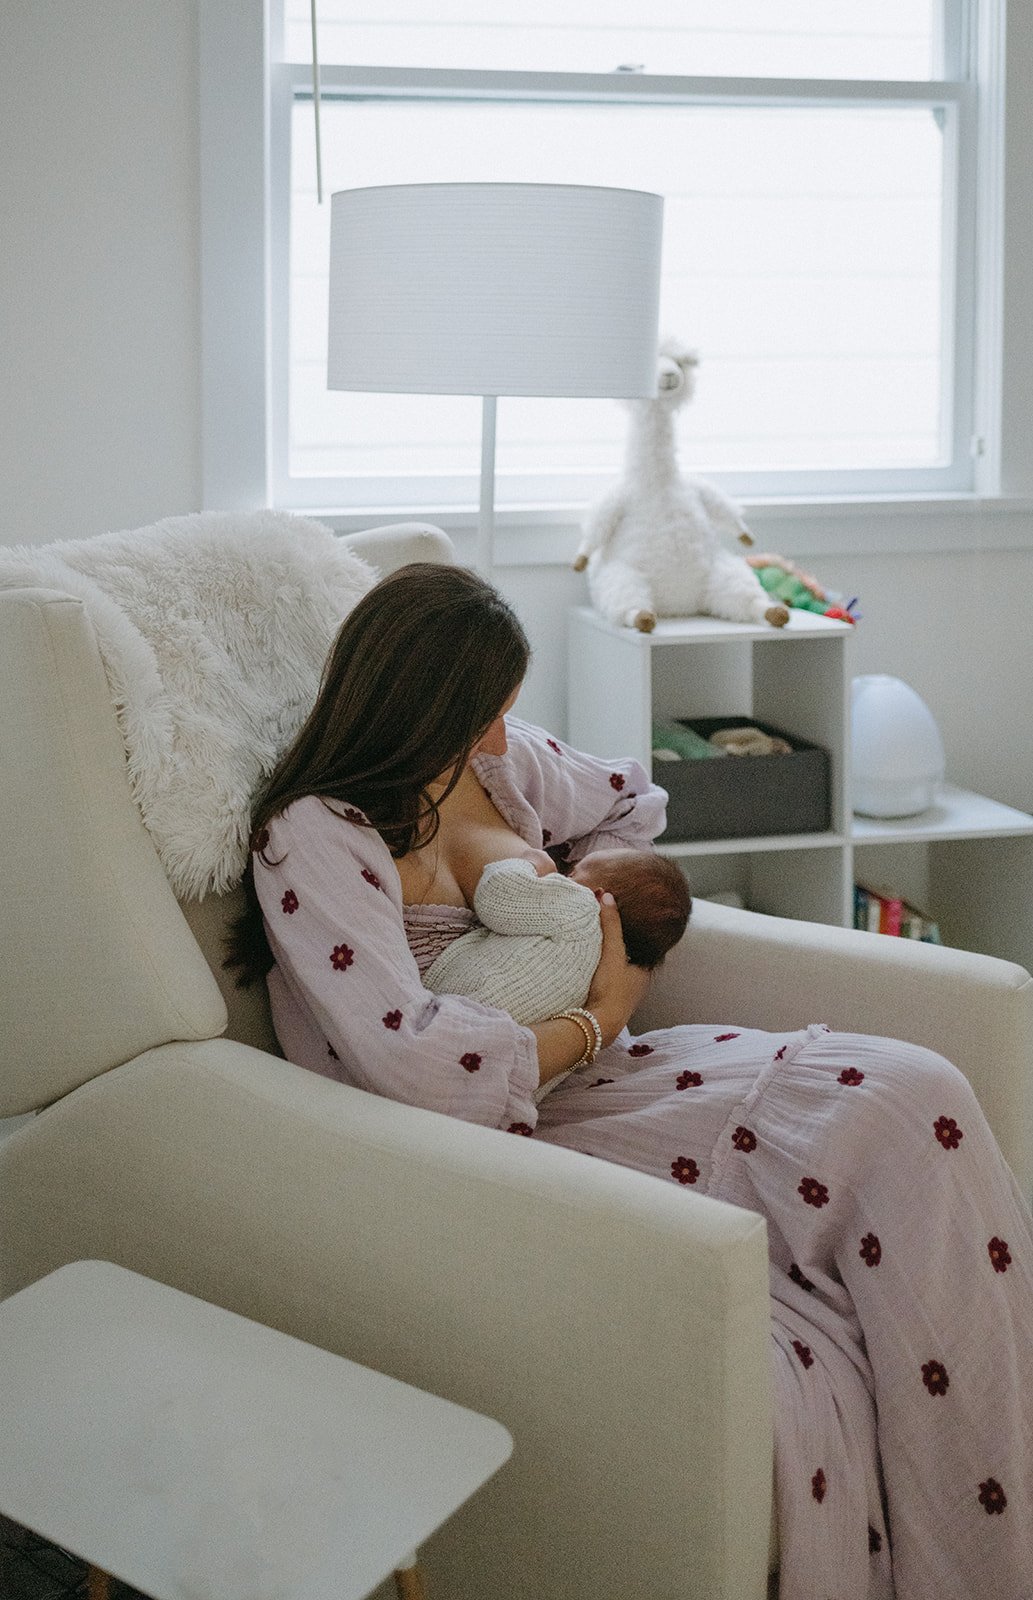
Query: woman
x=901 y=1251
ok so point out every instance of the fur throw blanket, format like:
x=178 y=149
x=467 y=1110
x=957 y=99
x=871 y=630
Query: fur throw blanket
x=214 y=630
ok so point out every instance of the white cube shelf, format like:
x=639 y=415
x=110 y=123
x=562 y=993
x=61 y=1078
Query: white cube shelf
x=797 y=678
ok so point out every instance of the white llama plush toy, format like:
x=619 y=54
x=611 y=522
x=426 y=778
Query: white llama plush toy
x=652 y=544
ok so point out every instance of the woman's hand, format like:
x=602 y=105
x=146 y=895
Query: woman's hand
x=616 y=990
x=617 y=987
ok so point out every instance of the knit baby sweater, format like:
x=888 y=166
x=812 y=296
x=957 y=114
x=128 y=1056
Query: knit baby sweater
x=537 y=950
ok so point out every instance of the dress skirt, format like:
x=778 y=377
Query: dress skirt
x=901 y=1272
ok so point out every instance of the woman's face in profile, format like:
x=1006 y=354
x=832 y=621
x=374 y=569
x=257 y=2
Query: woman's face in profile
x=493 y=740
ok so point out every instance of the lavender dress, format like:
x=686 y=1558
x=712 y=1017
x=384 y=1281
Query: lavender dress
x=901 y=1250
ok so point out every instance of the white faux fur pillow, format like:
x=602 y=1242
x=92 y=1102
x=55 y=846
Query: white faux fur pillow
x=213 y=629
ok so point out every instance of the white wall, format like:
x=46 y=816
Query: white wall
x=100 y=407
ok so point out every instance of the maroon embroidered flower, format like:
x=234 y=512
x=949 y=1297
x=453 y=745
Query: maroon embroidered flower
x=341 y=958
x=393 y=1020
x=617 y=781
x=722 y=1038
x=372 y=879
x=546 y=836
x=744 y=1139
x=804 y=1352
x=521 y=1127
x=948 y=1132
x=332 y=1053
x=261 y=842
x=813 y=1192
x=351 y=815
x=290 y=903
x=640 y=1050
x=871 y=1250
x=688 y=1080
x=600 y=1081
x=934 y=1376
x=1000 y=1255
x=471 y=1061
x=992 y=1497
x=851 y=1077
x=780 y=1053
x=819 y=1486
x=874 y=1540
x=798 y=1278
x=684 y=1169
x=554 y=746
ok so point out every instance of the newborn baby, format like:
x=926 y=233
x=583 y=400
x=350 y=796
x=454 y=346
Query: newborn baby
x=541 y=939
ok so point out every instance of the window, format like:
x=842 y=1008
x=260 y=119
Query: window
x=817 y=161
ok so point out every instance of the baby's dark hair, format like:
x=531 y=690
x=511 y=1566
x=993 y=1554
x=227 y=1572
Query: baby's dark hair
x=653 y=898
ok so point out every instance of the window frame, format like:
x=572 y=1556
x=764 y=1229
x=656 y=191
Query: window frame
x=956 y=100
x=241 y=321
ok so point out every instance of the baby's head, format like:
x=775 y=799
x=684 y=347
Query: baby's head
x=652 y=895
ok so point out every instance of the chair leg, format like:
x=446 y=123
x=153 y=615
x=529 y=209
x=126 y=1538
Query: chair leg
x=409 y=1582
x=98 y=1584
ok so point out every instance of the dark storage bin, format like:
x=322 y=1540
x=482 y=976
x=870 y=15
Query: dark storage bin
x=741 y=797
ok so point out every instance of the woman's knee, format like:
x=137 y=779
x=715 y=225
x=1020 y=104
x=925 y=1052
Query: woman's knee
x=917 y=1090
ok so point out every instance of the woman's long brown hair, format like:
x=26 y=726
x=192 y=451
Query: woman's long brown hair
x=419 y=670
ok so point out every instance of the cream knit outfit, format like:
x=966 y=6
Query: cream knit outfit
x=537 y=951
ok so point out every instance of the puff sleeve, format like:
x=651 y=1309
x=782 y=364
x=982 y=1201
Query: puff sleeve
x=332 y=904
x=572 y=802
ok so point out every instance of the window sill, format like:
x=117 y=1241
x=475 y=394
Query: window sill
x=531 y=536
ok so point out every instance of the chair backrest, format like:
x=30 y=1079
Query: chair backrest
x=98 y=961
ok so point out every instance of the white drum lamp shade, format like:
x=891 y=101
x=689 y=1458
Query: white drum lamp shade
x=494 y=289
x=896 y=749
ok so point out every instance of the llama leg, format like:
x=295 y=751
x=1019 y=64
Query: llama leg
x=621 y=594
x=600 y=525
x=736 y=593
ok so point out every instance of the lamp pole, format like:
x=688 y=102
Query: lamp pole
x=485 y=558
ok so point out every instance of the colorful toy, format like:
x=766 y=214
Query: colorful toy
x=794 y=587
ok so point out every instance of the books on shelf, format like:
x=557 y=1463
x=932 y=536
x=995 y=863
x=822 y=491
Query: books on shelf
x=881 y=911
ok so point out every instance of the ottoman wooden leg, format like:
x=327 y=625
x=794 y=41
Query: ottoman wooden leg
x=410 y=1583
x=98 y=1584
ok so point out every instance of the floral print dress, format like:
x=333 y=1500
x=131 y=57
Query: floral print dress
x=901 y=1252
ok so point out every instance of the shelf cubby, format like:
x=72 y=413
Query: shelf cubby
x=967 y=861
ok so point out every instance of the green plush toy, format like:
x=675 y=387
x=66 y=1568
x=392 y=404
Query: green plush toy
x=781 y=578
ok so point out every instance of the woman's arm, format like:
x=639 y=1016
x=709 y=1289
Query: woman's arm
x=578 y=802
x=331 y=899
x=616 y=991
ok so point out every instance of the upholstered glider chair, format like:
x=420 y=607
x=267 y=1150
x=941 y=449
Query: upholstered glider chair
x=617 y=1325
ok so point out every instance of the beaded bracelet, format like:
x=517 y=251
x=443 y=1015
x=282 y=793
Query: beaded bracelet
x=589 y=1026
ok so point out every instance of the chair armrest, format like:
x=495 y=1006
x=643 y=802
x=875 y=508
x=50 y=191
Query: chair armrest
x=589 y=1308
x=401 y=542
x=770 y=972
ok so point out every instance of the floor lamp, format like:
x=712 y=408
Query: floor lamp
x=494 y=289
